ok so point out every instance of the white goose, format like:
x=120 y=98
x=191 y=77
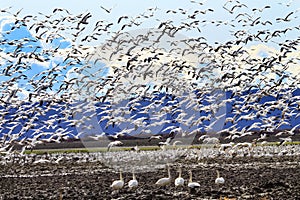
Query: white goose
x=179 y=181
x=219 y=180
x=118 y=184
x=164 y=181
x=114 y=143
x=133 y=183
x=192 y=184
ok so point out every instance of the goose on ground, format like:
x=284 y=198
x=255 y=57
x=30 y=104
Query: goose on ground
x=192 y=184
x=219 y=180
x=164 y=181
x=179 y=181
x=118 y=184
x=133 y=183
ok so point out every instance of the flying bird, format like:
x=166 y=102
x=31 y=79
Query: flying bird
x=114 y=143
x=106 y=10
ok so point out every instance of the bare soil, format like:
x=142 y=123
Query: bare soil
x=245 y=178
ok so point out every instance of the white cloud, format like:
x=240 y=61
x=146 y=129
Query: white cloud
x=6 y=20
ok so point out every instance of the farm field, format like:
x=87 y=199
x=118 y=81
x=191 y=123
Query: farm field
x=272 y=175
x=148 y=100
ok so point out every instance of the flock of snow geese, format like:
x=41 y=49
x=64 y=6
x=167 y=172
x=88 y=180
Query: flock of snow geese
x=178 y=78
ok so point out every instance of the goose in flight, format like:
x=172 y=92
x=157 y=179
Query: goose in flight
x=114 y=143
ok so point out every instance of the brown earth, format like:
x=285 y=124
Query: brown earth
x=245 y=178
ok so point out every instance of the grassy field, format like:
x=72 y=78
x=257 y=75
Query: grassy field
x=142 y=148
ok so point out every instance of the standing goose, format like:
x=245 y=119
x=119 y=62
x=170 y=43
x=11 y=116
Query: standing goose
x=164 y=181
x=133 y=183
x=118 y=184
x=219 y=180
x=179 y=181
x=192 y=184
